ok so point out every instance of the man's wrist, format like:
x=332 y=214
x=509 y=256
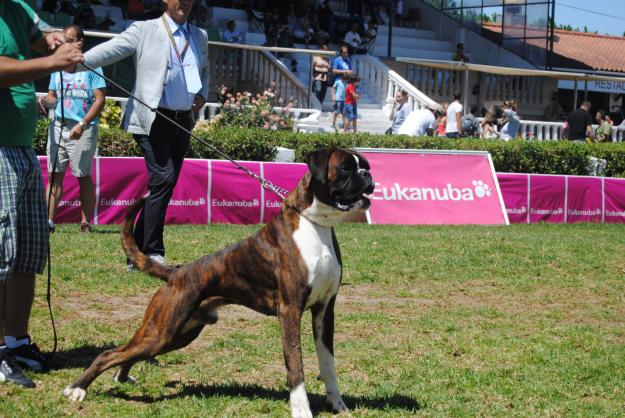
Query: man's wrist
x=83 y=124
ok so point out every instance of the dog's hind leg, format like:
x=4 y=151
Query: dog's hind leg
x=166 y=315
x=323 y=332
x=187 y=334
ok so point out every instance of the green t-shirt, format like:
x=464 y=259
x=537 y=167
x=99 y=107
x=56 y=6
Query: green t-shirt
x=606 y=129
x=18 y=106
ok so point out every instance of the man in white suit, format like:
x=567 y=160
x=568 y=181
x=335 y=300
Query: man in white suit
x=171 y=59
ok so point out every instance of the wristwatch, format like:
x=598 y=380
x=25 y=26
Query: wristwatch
x=83 y=125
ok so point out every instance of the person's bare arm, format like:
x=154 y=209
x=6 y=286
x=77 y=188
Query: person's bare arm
x=14 y=72
x=459 y=121
x=99 y=98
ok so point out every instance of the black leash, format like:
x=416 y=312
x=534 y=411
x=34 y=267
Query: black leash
x=51 y=182
x=266 y=184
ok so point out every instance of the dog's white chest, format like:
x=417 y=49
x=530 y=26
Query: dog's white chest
x=324 y=271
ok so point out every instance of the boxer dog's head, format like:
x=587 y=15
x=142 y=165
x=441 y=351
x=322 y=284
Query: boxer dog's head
x=340 y=179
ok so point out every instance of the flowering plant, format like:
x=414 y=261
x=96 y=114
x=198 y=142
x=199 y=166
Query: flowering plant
x=246 y=110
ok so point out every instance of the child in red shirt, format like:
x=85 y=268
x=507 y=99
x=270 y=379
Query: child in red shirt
x=351 y=103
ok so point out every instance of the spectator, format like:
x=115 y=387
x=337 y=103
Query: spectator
x=76 y=141
x=351 y=104
x=554 y=112
x=172 y=77
x=420 y=122
x=603 y=133
x=85 y=16
x=135 y=9
x=580 y=123
x=338 y=97
x=24 y=227
x=454 y=117
x=512 y=123
x=285 y=40
x=489 y=129
x=400 y=111
x=617 y=115
x=459 y=55
x=321 y=66
x=302 y=32
x=231 y=34
x=343 y=63
x=352 y=38
x=441 y=121
x=470 y=124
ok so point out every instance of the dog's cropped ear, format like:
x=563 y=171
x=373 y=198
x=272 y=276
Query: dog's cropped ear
x=318 y=163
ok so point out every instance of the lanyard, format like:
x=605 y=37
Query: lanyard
x=173 y=41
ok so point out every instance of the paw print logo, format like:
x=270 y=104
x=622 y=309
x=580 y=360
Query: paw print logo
x=481 y=189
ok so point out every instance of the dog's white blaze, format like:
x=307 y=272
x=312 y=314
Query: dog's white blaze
x=357 y=160
x=300 y=408
x=324 y=272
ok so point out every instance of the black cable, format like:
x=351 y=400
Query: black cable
x=51 y=181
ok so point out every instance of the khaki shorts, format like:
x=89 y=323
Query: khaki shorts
x=78 y=152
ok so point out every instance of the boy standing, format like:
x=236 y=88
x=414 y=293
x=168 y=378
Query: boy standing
x=351 y=103
x=338 y=97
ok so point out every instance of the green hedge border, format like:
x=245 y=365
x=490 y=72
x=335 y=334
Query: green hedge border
x=518 y=156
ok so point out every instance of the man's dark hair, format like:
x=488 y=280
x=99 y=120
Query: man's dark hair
x=586 y=104
x=80 y=34
x=457 y=95
x=459 y=45
x=473 y=109
x=602 y=114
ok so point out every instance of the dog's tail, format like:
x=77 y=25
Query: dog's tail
x=141 y=261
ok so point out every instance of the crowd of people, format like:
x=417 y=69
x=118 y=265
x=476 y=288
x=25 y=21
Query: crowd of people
x=579 y=125
x=449 y=120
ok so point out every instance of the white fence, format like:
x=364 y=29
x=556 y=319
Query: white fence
x=305 y=120
x=552 y=131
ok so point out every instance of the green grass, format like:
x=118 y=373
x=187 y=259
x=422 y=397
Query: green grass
x=431 y=321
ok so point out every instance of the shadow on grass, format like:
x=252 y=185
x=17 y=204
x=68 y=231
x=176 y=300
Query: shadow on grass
x=234 y=390
x=79 y=357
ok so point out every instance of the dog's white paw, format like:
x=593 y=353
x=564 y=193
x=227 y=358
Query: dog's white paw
x=74 y=394
x=127 y=379
x=335 y=399
x=300 y=408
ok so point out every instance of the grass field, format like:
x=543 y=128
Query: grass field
x=431 y=321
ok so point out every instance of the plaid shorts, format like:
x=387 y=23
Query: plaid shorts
x=24 y=230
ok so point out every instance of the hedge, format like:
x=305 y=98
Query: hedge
x=548 y=157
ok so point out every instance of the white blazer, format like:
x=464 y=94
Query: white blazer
x=149 y=43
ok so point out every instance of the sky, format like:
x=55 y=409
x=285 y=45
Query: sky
x=594 y=16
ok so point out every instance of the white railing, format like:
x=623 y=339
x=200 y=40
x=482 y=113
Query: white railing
x=382 y=83
x=441 y=83
x=305 y=120
x=535 y=130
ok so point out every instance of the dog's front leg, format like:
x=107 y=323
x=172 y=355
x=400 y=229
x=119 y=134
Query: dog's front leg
x=323 y=331
x=290 y=321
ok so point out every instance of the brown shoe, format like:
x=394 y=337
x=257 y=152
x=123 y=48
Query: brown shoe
x=85 y=227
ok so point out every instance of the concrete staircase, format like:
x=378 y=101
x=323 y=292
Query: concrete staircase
x=373 y=114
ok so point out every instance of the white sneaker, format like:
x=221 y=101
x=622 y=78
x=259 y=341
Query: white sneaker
x=157 y=258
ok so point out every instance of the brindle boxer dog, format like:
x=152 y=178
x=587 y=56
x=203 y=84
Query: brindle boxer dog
x=290 y=265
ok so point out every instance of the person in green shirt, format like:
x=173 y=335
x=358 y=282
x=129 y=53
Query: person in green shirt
x=603 y=132
x=23 y=216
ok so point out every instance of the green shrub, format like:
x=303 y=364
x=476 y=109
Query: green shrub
x=519 y=156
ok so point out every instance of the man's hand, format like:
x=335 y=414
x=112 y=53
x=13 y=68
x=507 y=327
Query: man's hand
x=66 y=57
x=198 y=102
x=54 y=40
x=76 y=132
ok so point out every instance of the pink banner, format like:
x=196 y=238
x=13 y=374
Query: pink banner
x=286 y=176
x=547 y=198
x=614 y=200
x=434 y=188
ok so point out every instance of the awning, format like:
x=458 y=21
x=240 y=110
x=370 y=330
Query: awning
x=492 y=69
